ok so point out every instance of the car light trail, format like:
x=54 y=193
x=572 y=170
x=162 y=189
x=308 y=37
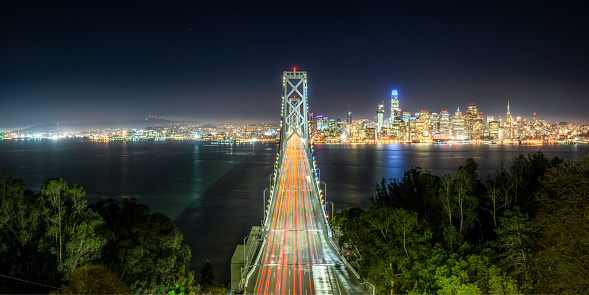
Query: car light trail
x=292 y=247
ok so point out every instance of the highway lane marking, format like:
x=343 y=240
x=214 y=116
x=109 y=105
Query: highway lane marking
x=310 y=230
x=298 y=264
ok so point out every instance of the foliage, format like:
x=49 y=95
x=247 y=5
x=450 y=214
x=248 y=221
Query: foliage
x=92 y=279
x=430 y=234
x=46 y=234
x=71 y=229
x=515 y=243
x=392 y=241
x=21 y=227
x=563 y=221
x=145 y=249
x=206 y=274
x=473 y=274
x=53 y=235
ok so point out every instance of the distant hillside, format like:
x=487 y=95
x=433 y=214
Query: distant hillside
x=68 y=127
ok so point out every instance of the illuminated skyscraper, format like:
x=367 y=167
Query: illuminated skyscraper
x=473 y=123
x=349 y=120
x=395 y=118
x=380 y=117
x=312 y=130
x=508 y=124
x=458 y=125
x=395 y=110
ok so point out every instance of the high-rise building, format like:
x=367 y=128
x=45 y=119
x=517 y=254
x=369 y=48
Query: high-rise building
x=473 y=123
x=349 y=126
x=469 y=118
x=321 y=124
x=445 y=128
x=434 y=126
x=493 y=129
x=458 y=125
x=395 y=112
x=508 y=124
x=311 y=123
x=380 y=118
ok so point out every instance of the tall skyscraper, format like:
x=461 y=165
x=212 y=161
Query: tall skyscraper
x=311 y=122
x=508 y=123
x=395 y=110
x=458 y=125
x=445 y=128
x=349 y=120
x=395 y=117
x=380 y=117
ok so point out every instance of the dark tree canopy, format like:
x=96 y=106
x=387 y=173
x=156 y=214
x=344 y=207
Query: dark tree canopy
x=523 y=230
x=53 y=236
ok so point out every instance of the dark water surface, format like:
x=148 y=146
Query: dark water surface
x=214 y=193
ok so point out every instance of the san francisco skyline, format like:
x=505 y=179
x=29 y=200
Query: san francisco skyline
x=80 y=62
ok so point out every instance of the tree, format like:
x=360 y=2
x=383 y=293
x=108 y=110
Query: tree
x=92 y=279
x=473 y=274
x=466 y=202
x=562 y=218
x=495 y=200
x=71 y=227
x=515 y=242
x=445 y=196
x=392 y=242
x=20 y=229
x=206 y=274
x=416 y=192
x=144 y=249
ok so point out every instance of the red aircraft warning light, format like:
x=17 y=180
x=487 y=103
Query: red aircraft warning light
x=294 y=69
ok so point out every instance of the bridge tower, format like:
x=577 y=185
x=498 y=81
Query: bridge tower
x=294 y=106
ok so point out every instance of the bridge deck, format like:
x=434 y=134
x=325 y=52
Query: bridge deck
x=297 y=258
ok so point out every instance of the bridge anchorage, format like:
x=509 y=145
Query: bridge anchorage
x=292 y=252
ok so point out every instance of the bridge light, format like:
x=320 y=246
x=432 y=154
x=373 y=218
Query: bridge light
x=294 y=69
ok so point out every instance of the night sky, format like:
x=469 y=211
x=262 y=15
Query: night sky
x=215 y=61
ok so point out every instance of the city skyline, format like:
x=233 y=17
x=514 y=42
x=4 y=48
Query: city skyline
x=212 y=62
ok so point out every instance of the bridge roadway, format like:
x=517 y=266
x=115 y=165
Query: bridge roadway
x=296 y=257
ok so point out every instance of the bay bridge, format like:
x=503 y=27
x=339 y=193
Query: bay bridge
x=292 y=252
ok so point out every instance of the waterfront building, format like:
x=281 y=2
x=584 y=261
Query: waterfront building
x=370 y=134
x=311 y=124
x=508 y=128
x=445 y=127
x=494 y=129
x=380 y=117
x=348 y=126
x=458 y=125
x=321 y=125
x=435 y=125
x=395 y=110
x=396 y=117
